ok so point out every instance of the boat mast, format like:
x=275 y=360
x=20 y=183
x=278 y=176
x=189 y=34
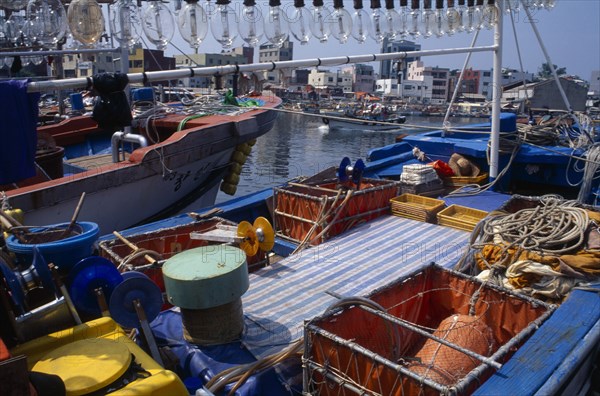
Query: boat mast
x=496 y=93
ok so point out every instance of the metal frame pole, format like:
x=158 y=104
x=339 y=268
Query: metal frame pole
x=75 y=83
x=497 y=93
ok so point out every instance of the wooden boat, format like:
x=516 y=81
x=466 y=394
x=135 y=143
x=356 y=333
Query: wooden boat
x=165 y=163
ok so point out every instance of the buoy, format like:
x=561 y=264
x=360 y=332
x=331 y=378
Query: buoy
x=232 y=178
x=239 y=157
x=228 y=188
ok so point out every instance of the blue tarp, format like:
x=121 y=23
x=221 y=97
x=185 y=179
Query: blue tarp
x=18 y=133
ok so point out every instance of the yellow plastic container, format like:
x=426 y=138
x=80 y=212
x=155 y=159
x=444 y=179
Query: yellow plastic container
x=160 y=381
x=416 y=207
x=459 y=181
x=460 y=217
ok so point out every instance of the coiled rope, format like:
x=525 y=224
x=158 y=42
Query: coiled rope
x=556 y=227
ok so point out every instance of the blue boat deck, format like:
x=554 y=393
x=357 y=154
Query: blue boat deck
x=281 y=297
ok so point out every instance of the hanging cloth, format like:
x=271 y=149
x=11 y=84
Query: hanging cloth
x=111 y=108
x=18 y=133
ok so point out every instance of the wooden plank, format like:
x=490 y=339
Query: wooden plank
x=93 y=161
x=535 y=361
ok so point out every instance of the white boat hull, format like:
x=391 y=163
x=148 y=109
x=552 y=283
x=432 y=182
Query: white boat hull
x=155 y=181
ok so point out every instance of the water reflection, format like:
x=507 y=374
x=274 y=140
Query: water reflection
x=301 y=145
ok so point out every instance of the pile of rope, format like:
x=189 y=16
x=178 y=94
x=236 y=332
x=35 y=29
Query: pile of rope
x=555 y=228
x=523 y=249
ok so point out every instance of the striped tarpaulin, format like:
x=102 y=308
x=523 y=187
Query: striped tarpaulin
x=371 y=255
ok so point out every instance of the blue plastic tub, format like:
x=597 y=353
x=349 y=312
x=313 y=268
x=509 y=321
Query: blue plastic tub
x=64 y=253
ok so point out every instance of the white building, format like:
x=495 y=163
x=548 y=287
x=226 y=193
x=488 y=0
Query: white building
x=271 y=53
x=420 y=90
x=327 y=80
x=363 y=77
x=417 y=72
x=202 y=59
x=388 y=87
x=510 y=76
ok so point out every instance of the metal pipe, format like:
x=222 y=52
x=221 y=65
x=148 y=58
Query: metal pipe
x=311 y=328
x=58 y=52
x=75 y=83
x=511 y=345
x=548 y=60
x=412 y=327
x=119 y=137
x=460 y=78
x=496 y=94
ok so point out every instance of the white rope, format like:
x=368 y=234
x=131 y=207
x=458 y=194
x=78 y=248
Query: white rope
x=553 y=228
x=589 y=173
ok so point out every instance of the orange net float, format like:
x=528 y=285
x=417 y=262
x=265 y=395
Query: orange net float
x=446 y=365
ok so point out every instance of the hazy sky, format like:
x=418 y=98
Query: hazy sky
x=571 y=34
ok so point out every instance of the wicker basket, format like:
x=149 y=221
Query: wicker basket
x=416 y=207
x=460 y=217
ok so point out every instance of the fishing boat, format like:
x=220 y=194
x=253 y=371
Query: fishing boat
x=367 y=296
x=376 y=118
x=183 y=152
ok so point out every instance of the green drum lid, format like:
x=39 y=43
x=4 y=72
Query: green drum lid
x=206 y=277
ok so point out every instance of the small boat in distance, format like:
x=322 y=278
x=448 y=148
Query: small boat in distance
x=372 y=117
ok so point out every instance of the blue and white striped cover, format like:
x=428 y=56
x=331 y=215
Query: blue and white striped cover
x=372 y=255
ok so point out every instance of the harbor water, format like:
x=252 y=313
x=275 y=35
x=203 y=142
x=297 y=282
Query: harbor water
x=302 y=145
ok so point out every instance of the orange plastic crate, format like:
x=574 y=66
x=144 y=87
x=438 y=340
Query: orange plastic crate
x=300 y=207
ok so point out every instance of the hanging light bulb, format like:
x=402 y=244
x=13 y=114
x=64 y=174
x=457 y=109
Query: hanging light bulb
x=428 y=20
x=276 y=26
x=251 y=24
x=319 y=23
x=376 y=22
x=46 y=21
x=415 y=16
x=452 y=19
x=403 y=28
x=549 y=4
x=223 y=24
x=361 y=23
x=471 y=20
x=489 y=15
x=341 y=22
x=86 y=21
x=527 y=3
x=14 y=5
x=478 y=14
x=512 y=5
x=158 y=24
x=440 y=19
x=462 y=15
x=125 y=22
x=193 y=23
x=300 y=22
x=177 y=7
x=14 y=26
x=391 y=23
